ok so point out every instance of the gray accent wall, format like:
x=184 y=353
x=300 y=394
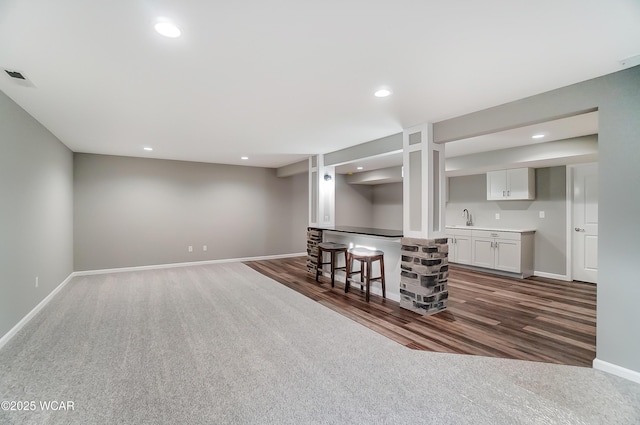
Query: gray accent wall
x=299 y=211
x=470 y=192
x=617 y=99
x=387 y=206
x=354 y=203
x=364 y=205
x=380 y=146
x=138 y=212
x=36 y=213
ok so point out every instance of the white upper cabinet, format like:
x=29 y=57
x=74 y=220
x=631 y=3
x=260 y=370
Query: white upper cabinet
x=512 y=184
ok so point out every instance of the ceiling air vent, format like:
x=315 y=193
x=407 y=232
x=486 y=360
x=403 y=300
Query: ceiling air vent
x=15 y=74
x=19 y=78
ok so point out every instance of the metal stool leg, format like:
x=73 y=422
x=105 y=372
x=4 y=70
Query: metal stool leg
x=348 y=278
x=368 y=281
x=333 y=267
x=361 y=274
x=384 y=291
x=318 y=263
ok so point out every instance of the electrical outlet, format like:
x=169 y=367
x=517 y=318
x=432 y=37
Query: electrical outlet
x=204 y=247
x=190 y=248
x=497 y=216
x=37 y=281
x=541 y=214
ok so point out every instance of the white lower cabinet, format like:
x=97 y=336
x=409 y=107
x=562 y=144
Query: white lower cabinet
x=459 y=246
x=506 y=251
x=482 y=253
x=497 y=250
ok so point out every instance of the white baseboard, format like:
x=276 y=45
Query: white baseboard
x=189 y=264
x=13 y=331
x=552 y=276
x=620 y=371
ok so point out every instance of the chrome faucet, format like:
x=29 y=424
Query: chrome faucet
x=466 y=214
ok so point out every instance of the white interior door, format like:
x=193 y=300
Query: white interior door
x=585 y=223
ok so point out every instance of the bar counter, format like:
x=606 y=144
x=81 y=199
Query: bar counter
x=369 y=231
x=386 y=240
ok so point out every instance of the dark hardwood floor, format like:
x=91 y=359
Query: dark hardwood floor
x=533 y=319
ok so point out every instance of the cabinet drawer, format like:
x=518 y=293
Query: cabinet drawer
x=512 y=236
x=458 y=232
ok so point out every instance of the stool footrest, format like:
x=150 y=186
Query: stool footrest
x=333 y=249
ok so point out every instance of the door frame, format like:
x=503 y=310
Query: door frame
x=569 y=222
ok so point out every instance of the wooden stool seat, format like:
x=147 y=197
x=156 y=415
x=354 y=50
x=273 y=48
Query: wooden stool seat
x=332 y=248
x=365 y=256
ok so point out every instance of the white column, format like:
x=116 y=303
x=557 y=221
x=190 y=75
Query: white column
x=424 y=184
x=321 y=193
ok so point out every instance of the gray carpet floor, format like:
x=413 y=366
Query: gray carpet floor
x=223 y=344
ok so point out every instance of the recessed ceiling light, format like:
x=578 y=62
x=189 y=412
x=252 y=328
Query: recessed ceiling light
x=244 y=158
x=537 y=136
x=148 y=148
x=382 y=93
x=360 y=168
x=167 y=29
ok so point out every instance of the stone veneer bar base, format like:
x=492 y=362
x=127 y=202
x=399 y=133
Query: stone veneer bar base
x=314 y=237
x=424 y=274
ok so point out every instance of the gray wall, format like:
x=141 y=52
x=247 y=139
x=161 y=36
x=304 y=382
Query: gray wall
x=387 y=206
x=368 y=205
x=135 y=212
x=36 y=213
x=363 y=150
x=299 y=211
x=617 y=99
x=470 y=192
x=354 y=203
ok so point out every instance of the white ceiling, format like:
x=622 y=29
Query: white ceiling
x=280 y=80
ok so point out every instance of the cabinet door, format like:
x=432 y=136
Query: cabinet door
x=452 y=248
x=482 y=252
x=463 y=249
x=507 y=255
x=496 y=185
x=521 y=183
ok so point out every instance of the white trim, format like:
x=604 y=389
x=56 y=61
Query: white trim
x=552 y=276
x=569 y=223
x=13 y=331
x=312 y=170
x=193 y=263
x=613 y=369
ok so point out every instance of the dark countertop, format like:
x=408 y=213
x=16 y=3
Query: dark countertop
x=371 y=231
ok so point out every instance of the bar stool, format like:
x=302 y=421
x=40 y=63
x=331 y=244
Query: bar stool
x=333 y=248
x=365 y=256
